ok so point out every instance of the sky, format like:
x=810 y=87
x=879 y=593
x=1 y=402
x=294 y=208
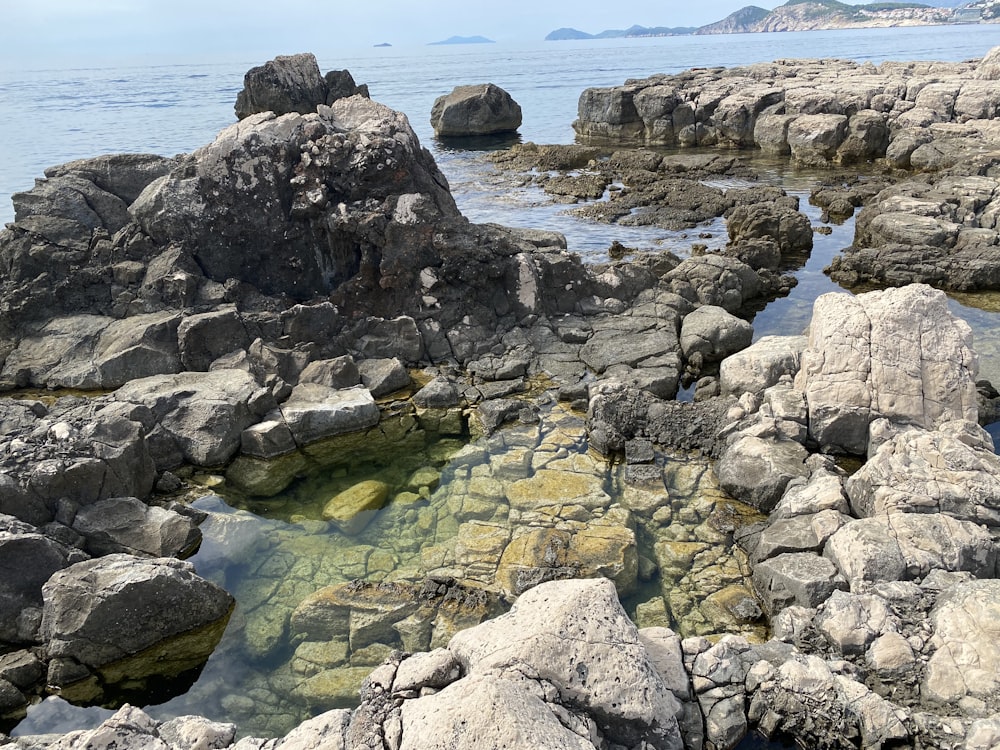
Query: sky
x=111 y=29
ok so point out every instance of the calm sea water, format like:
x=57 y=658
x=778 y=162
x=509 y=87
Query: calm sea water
x=49 y=116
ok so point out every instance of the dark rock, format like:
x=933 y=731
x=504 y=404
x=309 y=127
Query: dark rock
x=288 y=83
x=475 y=110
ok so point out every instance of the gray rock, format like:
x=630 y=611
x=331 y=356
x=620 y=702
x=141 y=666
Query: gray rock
x=872 y=355
x=761 y=365
x=484 y=109
x=714 y=333
x=314 y=412
x=966 y=650
x=197 y=732
x=802 y=533
x=484 y=710
x=288 y=83
x=757 y=471
x=339 y=372
x=328 y=731
x=852 y=622
x=905 y=546
x=795 y=579
x=126 y=524
x=100 y=612
x=931 y=472
x=814 y=139
x=383 y=376
x=596 y=665
x=439 y=393
x=715 y=280
x=27 y=561
x=205 y=337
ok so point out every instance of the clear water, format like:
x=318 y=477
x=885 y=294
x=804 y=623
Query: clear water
x=51 y=116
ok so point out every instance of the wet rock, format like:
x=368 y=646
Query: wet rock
x=353 y=509
x=475 y=110
x=109 y=615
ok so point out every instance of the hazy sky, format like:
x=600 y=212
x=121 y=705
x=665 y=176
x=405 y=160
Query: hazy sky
x=109 y=29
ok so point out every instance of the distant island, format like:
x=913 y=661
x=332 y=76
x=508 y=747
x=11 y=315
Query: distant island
x=383 y=44
x=465 y=40
x=630 y=32
x=814 y=15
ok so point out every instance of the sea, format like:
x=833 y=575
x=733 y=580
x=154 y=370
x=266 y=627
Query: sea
x=51 y=115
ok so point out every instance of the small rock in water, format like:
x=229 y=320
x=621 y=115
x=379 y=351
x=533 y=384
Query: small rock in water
x=352 y=510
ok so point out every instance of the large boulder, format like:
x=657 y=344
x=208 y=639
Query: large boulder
x=484 y=109
x=122 y=617
x=899 y=354
x=27 y=559
x=292 y=83
x=260 y=204
x=126 y=524
x=596 y=664
x=194 y=417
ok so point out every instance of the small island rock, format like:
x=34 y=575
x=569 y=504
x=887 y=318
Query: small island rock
x=475 y=110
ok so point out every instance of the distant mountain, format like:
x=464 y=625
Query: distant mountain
x=632 y=32
x=465 y=40
x=739 y=22
x=809 y=15
x=563 y=34
x=383 y=44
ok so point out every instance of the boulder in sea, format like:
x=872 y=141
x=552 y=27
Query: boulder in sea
x=475 y=110
x=293 y=83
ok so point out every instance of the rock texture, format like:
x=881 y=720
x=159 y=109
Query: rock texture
x=292 y=83
x=475 y=110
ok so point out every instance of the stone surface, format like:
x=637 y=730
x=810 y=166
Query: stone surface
x=594 y=663
x=102 y=611
x=484 y=109
x=795 y=579
x=353 y=509
x=905 y=546
x=898 y=354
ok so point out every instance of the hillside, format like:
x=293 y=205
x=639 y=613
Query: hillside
x=736 y=23
x=810 y=15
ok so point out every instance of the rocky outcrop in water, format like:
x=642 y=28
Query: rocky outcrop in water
x=475 y=111
x=293 y=83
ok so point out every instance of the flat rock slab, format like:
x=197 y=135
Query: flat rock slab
x=314 y=412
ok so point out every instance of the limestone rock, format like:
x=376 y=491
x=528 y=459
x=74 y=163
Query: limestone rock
x=899 y=354
x=906 y=546
x=757 y=471
x=761 y=365
x=475 y=110
x=595 y=664
x=931 y=472
x=795 y=579
x=110 y=614
x=966 y=621
x=353 y=509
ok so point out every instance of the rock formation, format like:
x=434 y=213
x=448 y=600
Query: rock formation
x=475 y=110
x=256 y=305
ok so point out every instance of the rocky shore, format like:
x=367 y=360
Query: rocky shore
x=303 y=290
